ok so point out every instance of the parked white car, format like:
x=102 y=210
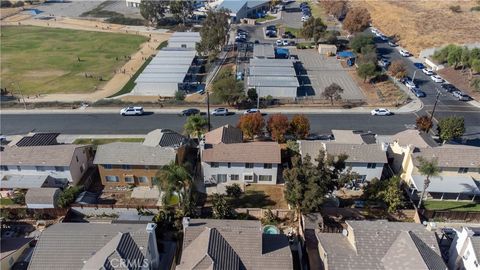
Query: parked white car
x=381 y=112
x=428 y=71
x=437 y=79
x=249 y=111
x=410 y=84
x=305 y=18
x=285 y=42
x=220 y=111
x=404 y=53
x=131 y=111
x=279 y=42
x=461 y=96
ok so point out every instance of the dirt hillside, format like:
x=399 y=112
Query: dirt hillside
x=424 y=24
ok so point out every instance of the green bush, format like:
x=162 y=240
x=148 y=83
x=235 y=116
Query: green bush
x=477 y=8
x=234 y=191
x=69 y=195
x=179 y=95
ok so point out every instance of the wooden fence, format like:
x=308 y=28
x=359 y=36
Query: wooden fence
x=451 y=215
x=259 y=213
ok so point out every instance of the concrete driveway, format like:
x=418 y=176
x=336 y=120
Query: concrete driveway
x=318 y=71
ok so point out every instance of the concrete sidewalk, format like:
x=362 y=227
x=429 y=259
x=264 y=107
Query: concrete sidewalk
x=414 y=106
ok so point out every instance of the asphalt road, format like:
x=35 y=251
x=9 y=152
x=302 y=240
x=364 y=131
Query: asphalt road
x=86 y=123
x=447 y=105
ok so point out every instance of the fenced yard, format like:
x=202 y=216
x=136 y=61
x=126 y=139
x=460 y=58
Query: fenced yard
x=261 y=196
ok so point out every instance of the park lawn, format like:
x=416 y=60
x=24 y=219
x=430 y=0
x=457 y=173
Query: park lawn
x=452 y=206
x=39 y=60
x=266 y=18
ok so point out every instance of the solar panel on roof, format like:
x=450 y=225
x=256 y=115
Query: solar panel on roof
x=39 y=139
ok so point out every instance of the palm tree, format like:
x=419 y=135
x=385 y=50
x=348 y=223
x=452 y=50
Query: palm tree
x=174 y=178
x=196 y=125
x=427 y=168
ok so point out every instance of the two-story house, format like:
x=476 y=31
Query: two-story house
x=367 y=160
x=44 y=166
x=255 y=162
x=459 y=176
x=465 y=249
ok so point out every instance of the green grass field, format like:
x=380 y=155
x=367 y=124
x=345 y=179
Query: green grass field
x=452 y=206
x=40 y=60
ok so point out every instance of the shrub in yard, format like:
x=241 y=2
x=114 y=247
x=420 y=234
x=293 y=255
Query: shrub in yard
x=19 y=197
x=424 y=123
x=69 y=195
x=19 y=4
x=269 y=217
x=179 y=95
x=221 y=207
x=234 y=191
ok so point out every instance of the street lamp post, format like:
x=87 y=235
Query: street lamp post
x=414 y=73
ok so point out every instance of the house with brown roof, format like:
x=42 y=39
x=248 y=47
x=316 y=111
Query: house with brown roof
x=459 y=177
x=368 y=160
x=255 y=162
x=44 y=166
x=379 y=245
x=233 y=245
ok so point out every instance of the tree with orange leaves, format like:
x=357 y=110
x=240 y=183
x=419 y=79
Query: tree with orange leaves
x=251 y=125
x=278 y=126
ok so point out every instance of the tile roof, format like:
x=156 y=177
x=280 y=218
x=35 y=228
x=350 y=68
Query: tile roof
x=164 y=138
x=414 y=137
x=254 y=152
x=358 y=152
x=224 y=134
x=347 y=136
x=49 y=155
x=38 y=139
x=372 y=246
x=72 y=245
x=120 y=153
x=450 y=156
x=41 y=196
x=232 y=239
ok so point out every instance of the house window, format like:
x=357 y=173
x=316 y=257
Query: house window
x=229 y=165
x=267 y=165
x=265 y=178
x=126 y=167
x=108 y=166
x=462 y=170
x=249 y=165
x=129 y=179
x=214 y=165
x=40 y=168
x=234 y=177
x=248 y=178
x=59 y=169
x=221 y=178
x=111 y=178
x=4 y=168
x=143 y=179
x=371 y=165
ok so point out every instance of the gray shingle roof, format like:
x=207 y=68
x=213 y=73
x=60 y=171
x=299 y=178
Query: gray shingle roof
x=41 y=196
x=254 y=152
x=126 y=153
x=450 y=156
x=358 y=152
x=49 y=155
x=245 y=239
x=71 y=245
x=475 y=240
x=22 y=181
x=448 y=184
x=372 y=241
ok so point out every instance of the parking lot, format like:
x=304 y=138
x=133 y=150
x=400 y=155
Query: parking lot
x=75 y=8
x=318 y=71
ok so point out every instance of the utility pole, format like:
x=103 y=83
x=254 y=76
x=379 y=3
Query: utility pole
x=258 y=99
x=437 y=97
x=208 y=109
x=414 y=73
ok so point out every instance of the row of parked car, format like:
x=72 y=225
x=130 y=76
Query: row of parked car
x=306 y=12
x=216 y=112
x=242 y=36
